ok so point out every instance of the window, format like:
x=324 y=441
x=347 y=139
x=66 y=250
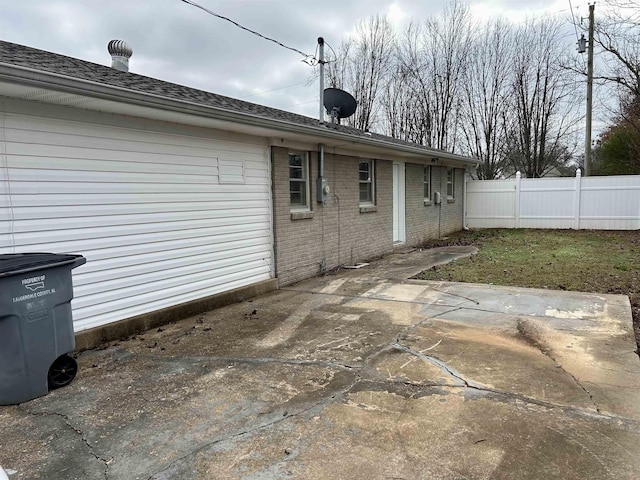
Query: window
x=367 y=182
x=451 y=183
x=427 y=183
x=298 y=181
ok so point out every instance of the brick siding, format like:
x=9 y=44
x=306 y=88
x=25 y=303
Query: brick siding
x=338 y=233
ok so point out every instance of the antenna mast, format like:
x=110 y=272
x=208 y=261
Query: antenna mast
x=321 y=63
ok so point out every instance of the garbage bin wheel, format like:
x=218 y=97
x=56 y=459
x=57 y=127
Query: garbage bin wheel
x=62 y=371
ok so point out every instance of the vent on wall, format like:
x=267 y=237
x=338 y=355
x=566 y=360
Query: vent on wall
x=231 y=171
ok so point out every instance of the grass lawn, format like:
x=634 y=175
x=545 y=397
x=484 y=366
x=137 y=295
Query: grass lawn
x=581 y=260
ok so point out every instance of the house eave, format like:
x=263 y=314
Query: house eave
x=103 y=96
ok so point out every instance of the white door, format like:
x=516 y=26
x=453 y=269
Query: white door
x=399 y=234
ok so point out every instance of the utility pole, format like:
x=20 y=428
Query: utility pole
x=587 y=137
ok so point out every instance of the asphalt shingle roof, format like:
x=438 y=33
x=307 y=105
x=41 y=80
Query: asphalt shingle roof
x=40 y=60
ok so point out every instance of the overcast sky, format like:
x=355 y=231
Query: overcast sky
x=176 y=42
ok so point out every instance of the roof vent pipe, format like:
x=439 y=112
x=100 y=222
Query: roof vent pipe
x=120 y=52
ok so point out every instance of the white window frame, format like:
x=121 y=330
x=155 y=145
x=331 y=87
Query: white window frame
x=426 y=184
x=304 y=180
x=451 y=182
x=370 y=181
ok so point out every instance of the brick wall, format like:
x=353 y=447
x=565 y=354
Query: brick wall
x=338 y=232
x=425 y=219
x=452 y=212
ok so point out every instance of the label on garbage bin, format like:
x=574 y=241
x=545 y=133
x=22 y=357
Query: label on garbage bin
x=30 y=296
x=34 y=283
x=36 y=287
x=35 y=316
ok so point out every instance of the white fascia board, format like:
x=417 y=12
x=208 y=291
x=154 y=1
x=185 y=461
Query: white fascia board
x=267 y=127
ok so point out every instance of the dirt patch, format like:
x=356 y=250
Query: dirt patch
x=584 y=261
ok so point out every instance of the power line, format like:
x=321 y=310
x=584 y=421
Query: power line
x=302 y=103
x=573 y=21
x=575 y=28
x=273 y=90
x=540 y=17
x=194 y=4
x=335 y=56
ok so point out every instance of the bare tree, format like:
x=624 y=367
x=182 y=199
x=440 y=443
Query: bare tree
x=398 y=107
x=407 y=100
x=544 y=103
x=493 y=91
x=617 y=46
x=362 y=68
x=434 y=56
x=487 y=98
x=617 y=33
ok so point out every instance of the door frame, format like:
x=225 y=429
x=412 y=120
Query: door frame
x=399 y=234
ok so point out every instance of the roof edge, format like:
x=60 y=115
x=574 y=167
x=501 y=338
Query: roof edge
x=33 y=77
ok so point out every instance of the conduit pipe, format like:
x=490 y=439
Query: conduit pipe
x=321 y=185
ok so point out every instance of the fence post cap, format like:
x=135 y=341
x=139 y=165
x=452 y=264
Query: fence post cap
x=518 y=175
x=578 y=172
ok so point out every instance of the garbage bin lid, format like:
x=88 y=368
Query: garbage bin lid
x=15 y=263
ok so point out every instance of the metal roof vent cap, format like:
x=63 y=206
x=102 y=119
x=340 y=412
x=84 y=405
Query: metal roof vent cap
x=120 y=52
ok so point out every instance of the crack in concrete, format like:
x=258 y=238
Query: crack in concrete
x=421 y=389
x=366 y=373
x=524 y=331
x=410 y=329
x=456 y=295
x=377 y=297
x=76 y=430
x=462 y=382
x=366 y=376
x=258 y=361
x=442 y=366
x=575 y=379
x=318 y=405
x=416 y=389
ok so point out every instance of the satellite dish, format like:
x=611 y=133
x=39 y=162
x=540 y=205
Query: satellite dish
x=339 y=104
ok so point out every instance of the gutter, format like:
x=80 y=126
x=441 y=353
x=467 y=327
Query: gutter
x=37 y=78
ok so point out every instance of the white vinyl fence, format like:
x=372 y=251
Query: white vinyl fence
x=598 y=203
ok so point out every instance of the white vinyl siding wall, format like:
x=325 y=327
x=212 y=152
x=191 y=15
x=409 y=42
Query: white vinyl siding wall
x=144 y=205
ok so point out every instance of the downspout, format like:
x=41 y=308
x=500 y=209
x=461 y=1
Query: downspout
x=274 y=230
x=464 y=202
x=440 y=205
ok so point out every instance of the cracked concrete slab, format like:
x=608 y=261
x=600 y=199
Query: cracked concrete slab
x=365 y=374
x=441 y=434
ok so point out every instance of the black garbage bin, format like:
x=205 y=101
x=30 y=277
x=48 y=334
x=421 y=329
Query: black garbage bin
x=36 y=326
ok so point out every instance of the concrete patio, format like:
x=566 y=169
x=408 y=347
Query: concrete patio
x=360 y=375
